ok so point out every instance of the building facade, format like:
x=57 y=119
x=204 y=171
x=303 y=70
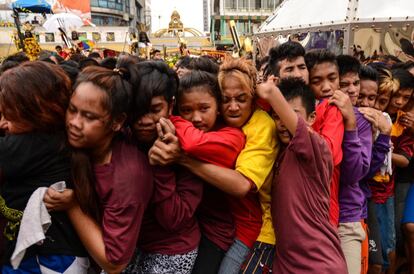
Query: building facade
x=118 y=12
x=247 y=14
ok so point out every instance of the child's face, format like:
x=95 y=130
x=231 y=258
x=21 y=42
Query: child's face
x=367 y=94
x=294 y=68
x=351 y=85
x=324 y=80
x=145 y=128
x=399 y=100
x=198 y=106
x=382 y=102
x=88 y=123
x=296 y=104
x=237 y=103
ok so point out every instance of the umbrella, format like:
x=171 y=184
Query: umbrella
x=62 y=20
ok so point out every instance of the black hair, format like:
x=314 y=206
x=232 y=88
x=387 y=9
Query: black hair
x=6 y=65
x=183 y=62
x=405 y=78
x=19 y=57
x=47 y=59
x=199 y=78
x=289 y=50
x=204 y=64
x=409 y=65
x=368 y=73
x=294 y=87
x=262 y=61
x=94 y=55
x=316 y=57
x=71 y=71
x=109 y=62
x=155 y=51
x=154 y=78
x=347 y=64
x=87 y=62
x=70 y=63
x=58 y=47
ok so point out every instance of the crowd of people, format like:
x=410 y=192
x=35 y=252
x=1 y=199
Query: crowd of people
x=301 y=163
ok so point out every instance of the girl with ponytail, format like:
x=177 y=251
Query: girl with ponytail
x=113 y=181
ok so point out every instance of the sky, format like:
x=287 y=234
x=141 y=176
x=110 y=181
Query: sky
x=191 y=12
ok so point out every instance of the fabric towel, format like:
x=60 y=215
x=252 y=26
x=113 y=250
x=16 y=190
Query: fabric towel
x=35 y=222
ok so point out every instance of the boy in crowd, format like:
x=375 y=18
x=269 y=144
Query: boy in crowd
x=307 y=242
x=356 y=147
x=329 y=122
x=381 y=125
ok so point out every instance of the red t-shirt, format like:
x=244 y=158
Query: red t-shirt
x=307 y=242
x=329 y=124
x=124 y=187
x=220 y=147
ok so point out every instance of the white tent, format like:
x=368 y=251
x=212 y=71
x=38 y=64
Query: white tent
x=304 y=16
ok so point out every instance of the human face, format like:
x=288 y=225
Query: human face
x=294 y=68
x=324 y=80
x=367 y=93
x=296 y=104
x=145 y=128
x=399 y=100
x=198 y=106
x=350 y=84
x=382 y=101
x=88 y=122
x=157 y=56
x=237 y=103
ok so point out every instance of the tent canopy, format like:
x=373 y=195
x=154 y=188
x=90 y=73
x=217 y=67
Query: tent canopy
x=302 y=15
x=35 y=6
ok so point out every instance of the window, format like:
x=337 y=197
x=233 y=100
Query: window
x=96 y=36
x=82 y=35
x=243 y=4
x=110 y=36
x=49 y=37
x=230 y=4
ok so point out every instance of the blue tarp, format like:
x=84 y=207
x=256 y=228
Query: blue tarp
x=35 y=6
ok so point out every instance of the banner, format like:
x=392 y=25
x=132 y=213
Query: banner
x=82 y=8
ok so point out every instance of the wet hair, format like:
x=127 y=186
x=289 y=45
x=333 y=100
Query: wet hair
x=204 y=64
x=317 y=57
x=35 y=94
x=241 y=69
x=116 y=85
x=405 y=78
x=348 y=64
x=199 y=79
x=289 y=50
x=87 y=62
x=109 y=62
x=154 y=79
x=368 y=73
x=294 y=87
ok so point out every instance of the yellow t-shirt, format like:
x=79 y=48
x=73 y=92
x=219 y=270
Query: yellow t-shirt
x=256 y=163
